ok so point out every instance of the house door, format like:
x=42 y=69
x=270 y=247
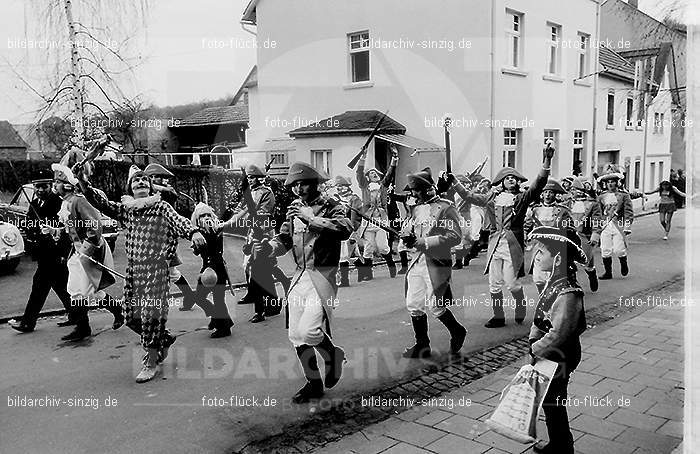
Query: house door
x=607 y=157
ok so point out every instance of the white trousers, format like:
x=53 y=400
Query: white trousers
x=347 y=251
x=376 y=241
x=420 y=293
x=306 y=313
x=501 y=272
x=612 y=241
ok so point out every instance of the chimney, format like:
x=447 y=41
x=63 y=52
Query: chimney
x=634 y=3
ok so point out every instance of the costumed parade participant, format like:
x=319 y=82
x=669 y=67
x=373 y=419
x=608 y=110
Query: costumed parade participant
x=559 y=321
x=348 y=247
x=548 y=212
x=87 y=275
x=150 y=229
x=585 y=213
x=667 y=204
x=431 y=231
x=505 y=207
x=50 y=252
x=617 y=215
x=375 y=198
x=214 y=275
x=257 y=207
x=567 y=196
x=315 y=227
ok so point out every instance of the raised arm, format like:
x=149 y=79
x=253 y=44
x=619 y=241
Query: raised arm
x=389 y=177
x=182 y=226
x=470 y=196
x=360 y=173
x=535 y=190
x=114 y=210
x=678 y=191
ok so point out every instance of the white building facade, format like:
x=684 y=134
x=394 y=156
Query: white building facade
x=511 y=73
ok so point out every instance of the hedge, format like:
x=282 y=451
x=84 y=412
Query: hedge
x=222 y=186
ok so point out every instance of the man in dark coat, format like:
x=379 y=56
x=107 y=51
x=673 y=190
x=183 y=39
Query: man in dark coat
x=432 y=229
x=50 y=252
x=505 y=209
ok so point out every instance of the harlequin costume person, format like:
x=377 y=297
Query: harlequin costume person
x=617 y=215
x=349 y=246
x=212 y=261
x=150 y=230
x=315 y=227
x=505 y=207
x=585 y=214
x=375 y=198
x=667 y=204
x=261 y=226
x=49 y=251
x=548 y=212
x=432 y=229
x=87 y=280
x=559 y=321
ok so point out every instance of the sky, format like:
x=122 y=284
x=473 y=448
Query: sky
x=177 y=50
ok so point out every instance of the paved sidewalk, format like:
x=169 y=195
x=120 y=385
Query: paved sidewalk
x=626 y=396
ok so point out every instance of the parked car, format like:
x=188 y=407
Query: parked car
x=11 y=247
x=16 y=213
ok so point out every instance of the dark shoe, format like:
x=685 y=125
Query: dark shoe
x=67 y=322
x=311 y=390
x=607 y=264
x=520 y=306
x=257 y=318
x=163 y=352
x=212 y=324
x=333 y=358
x=77 y=334
x=344 y=270
x=220 y=332
x=390 y=264
x=369 y=272
x=21 y=327
x=458 y=333
x=422 y=347
x=273 y=307
x=495 y=323
x=360 y=267
x=624 y=269
x=542 y=448
x=116 y=310
x=404 y=262
x=592 y=280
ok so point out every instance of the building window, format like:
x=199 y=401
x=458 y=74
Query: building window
x=322 y=160
x=554 y=35
x=510 y=147
x=583 y=55
x=611 y=109
x=637 y=173
x=630 y=112
x=652 y=174
x=359 y=56
x=658 y=123
x=514 y=38
x=553 y=135
x=277 y=158
x=579 y=151
x=661 y=171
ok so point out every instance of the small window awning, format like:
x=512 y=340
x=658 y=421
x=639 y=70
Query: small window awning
x=410 y=142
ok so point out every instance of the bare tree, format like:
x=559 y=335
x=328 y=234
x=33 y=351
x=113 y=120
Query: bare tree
x=88 y=61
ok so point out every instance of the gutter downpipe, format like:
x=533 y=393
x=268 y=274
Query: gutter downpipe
x=595 y=50
x=493 y=87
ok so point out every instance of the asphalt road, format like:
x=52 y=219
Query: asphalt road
x=178 y=414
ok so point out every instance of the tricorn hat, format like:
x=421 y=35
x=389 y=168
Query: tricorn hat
x=252 y=170
x=558 y=237
x=420 y=180
x=301 y=171
x=611 y=176
x=505 y=172
x=553 y=185
x=42 y=176
x=156 y=170
x=342 y=181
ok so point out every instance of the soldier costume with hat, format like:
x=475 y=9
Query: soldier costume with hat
x=315 y=227
x=617 y=215
x=374 y=186
x=348 y=247
x=547 y=212
x=585 y=213
x=505 y=209
x=87 y=280
x=150 y=230
x=50 y=251
x=559 y=321
x=431 y=230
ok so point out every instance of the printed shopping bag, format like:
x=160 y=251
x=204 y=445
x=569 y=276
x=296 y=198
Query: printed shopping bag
x=516 y=414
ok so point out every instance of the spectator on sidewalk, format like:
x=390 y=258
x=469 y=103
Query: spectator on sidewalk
x=559 y=321
x=678 y=182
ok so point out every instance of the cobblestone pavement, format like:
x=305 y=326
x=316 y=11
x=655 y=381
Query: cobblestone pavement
x=626 y=395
